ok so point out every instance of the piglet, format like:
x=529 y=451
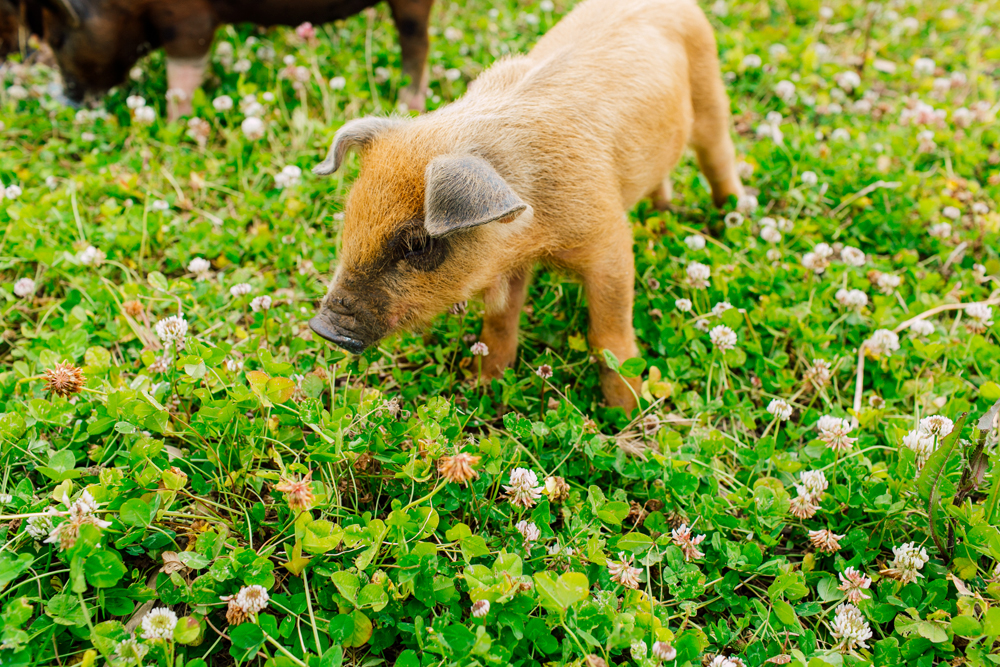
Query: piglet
x=538 y=163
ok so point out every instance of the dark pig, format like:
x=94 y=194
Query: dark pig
x=97 y=42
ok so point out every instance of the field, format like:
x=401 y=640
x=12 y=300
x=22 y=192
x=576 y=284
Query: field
x=191 y=477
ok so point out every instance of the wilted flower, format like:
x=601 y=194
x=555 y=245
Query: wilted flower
x=253 y=128
x=556 y=489
x=882 y=342
x=544 y=371
x=240 y=290
x=158 y=624
x=298 y=493
x=288 y=177
x=622 y=572
x=459 y=469
x=683 y=305
x=854 y=583
x=723 y=338
x=780 y=659
x=480 y=608
x=529 y=531
x=853 y=298
x=688 y=542
x=908 y=560
x=133 y=308
x=479 y=349
x=850 y=628
x=252 y=599
x=780 y=409
x=64 y=379
x=260 y=303
x=171 y=330
x=24 y=288
x=733 y=219
x=825 y=540
x=818 y=374
x=523 y=490
x=698 y=275
x=199 y=129
x=803 y=505
x=695 y=242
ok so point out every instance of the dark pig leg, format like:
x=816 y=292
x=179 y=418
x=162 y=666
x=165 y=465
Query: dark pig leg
x=412 y=18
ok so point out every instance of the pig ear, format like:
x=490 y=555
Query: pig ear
x=357 y=133
x=465 y=191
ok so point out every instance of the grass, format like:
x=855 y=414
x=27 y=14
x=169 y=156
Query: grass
x=245 y=452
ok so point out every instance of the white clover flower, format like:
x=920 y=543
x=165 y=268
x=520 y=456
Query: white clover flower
x=687 y=541
x=695 y=242
x=850 y=628
x=979 y=315
x=940 y=230
x=91 y=256
x=723 y=338
x=733 y=219
x=921 y=444
x=145 y=115
x=815 y=262
x=529 y=531
x=752 y=61
x=252 y=599
x=951 y=212
x=338 y=83
x=622 y=572
x=777 y=50
x=834 y=432
x=159 y=624
x=260 y=303
x=883 y=342
x=770 y=234
x=848 y=80
x=288 y=177
x=523 y=490
x=453 y=34
x=698 y=275
x=172 y=330
x=773 y=255
x=683 y=305
x=453 y=74
x=240 y=290
x=962 y=117
x=922 y=328
x=12 y=191
x=853 y=298
x=638 y=650
x=546 y=5
x=908 y=561
x=780 y=409
x=814 y=482
x=854 y=583
x=253 y=128
x=40 y=527
x=199 y=266
x=721 y=307
x=747 y=204
x=924 y=67
x=17 y=92
x=480 y=608
x=936 y=426
x=134 y=102
x=809 y=178
x=818 y=374
x=480 y=349
x=24 y=288
x=980 y=208
x=160 y=205
x=887 y=282
x=852 y=256
x=222 y=103
x=840 y=134
x=664 y=651
x=129 y=651
x=785 y=90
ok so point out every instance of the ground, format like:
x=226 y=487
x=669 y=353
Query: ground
x=811 y=478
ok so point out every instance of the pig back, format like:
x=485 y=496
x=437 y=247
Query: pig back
x=287 y=12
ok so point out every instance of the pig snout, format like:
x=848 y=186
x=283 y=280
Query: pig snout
x=348 y=324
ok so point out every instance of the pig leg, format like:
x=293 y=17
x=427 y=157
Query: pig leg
x=663 y=195
x=412 y=18
x=503 y=315
x=608 y=282
x=183 y=78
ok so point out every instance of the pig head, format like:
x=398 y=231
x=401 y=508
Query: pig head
x=416 y=235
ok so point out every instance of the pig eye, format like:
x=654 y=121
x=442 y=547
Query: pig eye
x=419 y=245
x=421 y=251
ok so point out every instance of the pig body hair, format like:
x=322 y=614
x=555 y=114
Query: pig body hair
x=583 y=127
